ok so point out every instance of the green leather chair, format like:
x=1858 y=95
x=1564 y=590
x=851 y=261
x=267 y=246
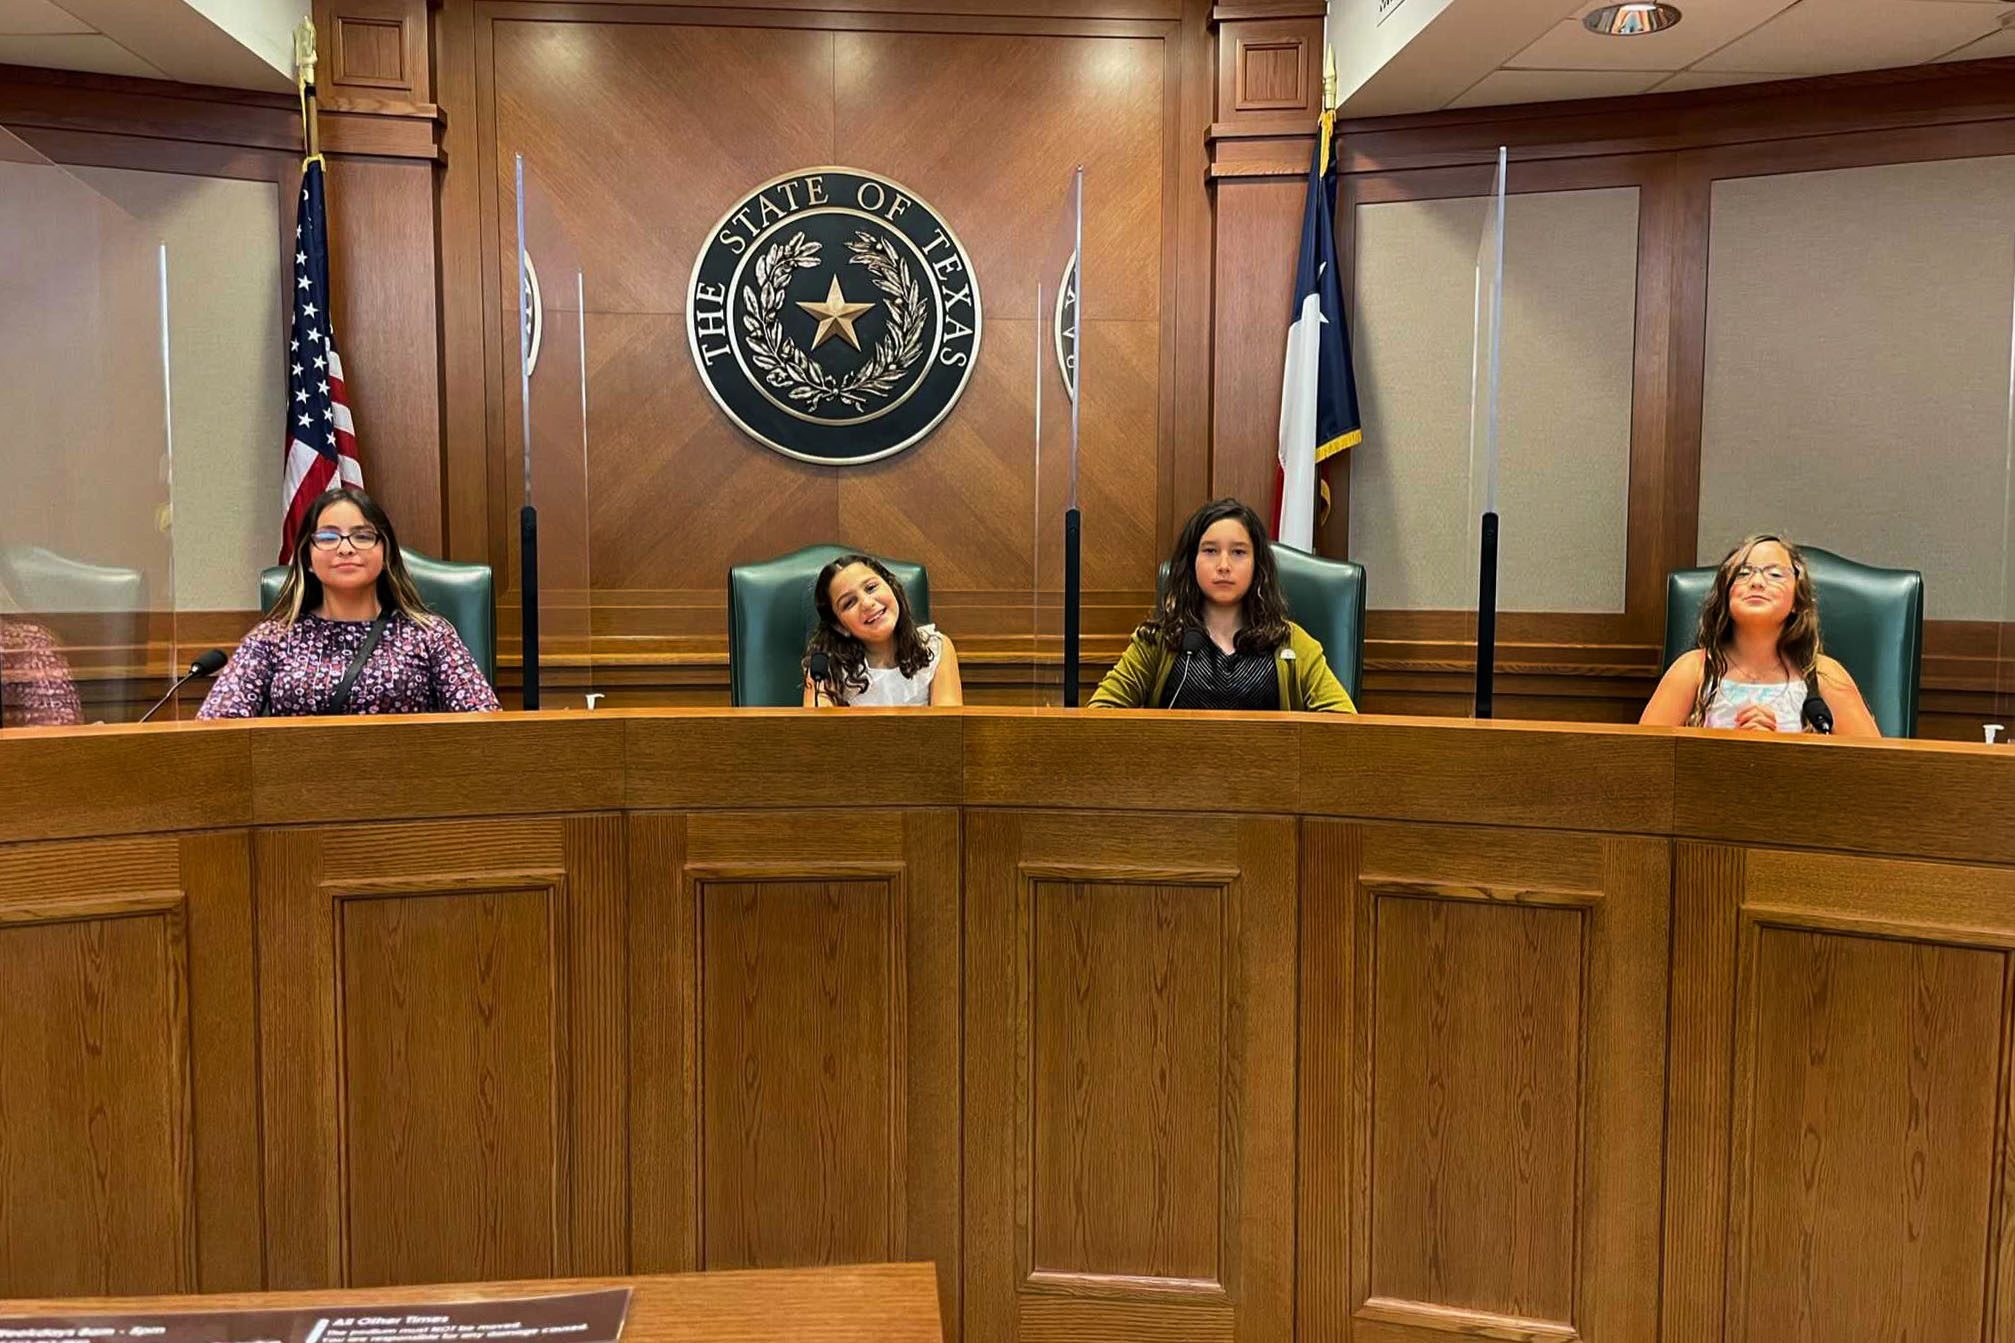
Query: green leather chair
x=465 y=594
x=1871 y=619
x=1324 y=597
x=771 y=613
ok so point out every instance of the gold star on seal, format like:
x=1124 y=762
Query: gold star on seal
x=836 y=316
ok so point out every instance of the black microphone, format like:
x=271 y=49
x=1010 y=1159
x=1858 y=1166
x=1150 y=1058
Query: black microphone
x=1194 y=641
x=207 y=663
x=1817 y=715
x=820 y=665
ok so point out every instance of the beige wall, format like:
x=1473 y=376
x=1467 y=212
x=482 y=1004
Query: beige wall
x=1857 y=376
x=1570 y=276
x=226 y=377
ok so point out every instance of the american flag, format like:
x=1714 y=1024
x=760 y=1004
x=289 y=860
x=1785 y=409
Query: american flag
x=321 y=439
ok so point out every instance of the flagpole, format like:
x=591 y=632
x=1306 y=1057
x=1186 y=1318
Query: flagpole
x=304 y=83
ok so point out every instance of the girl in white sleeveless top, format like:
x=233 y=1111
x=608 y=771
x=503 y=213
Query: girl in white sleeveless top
x=1757 y=658
x=869 y=648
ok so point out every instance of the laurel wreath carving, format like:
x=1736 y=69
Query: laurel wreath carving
x=789 y=368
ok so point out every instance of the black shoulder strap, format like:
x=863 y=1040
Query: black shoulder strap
x=339 y=702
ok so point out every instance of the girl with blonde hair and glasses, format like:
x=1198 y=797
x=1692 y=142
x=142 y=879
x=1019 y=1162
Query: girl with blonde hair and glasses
x=348 y=633
x=1758 y=658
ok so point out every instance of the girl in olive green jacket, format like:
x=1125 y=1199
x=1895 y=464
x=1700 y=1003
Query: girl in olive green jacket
x=1221 y=638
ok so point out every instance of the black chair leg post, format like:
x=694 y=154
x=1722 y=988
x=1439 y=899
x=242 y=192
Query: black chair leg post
x=1073 y=541
x=528 y=576
x=1486 y=618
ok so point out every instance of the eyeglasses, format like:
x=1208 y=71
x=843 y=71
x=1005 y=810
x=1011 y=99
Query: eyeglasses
x=360 y=538
x=1770 y=575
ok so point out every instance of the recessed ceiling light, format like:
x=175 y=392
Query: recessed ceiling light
x=1632 y=19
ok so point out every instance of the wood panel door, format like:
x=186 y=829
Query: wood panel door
x=1129 y=1076
x=442 y=1020
x=1859 y=1121
x=795 y=1039
x=1483 y=1062
x=129 y=1143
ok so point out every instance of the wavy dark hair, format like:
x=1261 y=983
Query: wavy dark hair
x=1263 y=613
x=849 y=655
x=302 y=591
x=1798 y=645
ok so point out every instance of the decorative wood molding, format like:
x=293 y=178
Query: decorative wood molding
x=1241 y=10
x=1262 y=78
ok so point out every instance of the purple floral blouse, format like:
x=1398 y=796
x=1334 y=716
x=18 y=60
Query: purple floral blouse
x=285 y=671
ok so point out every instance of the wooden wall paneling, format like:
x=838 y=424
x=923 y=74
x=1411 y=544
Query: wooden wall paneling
x=465 y=254
x=147 y=109
x=1155 y=1191
x=1188 y=271
x=1502 y=1100
x=384 y=281
x=1258 y=225
x=441 y=1010
x=65 y=784
x=375 y=47
x=1870 y=1173
x=128 y=1131
x=796 y=1050
x=1129 y=761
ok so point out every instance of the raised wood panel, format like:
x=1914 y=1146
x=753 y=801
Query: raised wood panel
x=1125 y=1015
x=1476 y=1026
x=801 y=1021
x=451 y=1033
x=371 y=52
x=1153 y=1192
x=1496 y=1097
x=1871 y=1096
x=1272 y=74
x=130 y=980
x=1869 y=1172
x=442 y=1125
x=795 y=1039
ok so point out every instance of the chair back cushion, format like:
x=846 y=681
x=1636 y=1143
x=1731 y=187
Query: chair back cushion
x=771 y=614
x=1871 y=619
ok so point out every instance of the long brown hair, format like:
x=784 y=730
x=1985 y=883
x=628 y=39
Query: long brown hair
x=1262 y=613
x=302 y=591
x=849 y=655
x=1798 y=646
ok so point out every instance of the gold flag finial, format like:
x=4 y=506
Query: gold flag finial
x=1328 y=78
x=304 y=81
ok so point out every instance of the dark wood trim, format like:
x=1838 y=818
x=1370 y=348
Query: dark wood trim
x=1921 y=96
x=1242 y=10
x=61 y=100
x=1285 y=126
x=1059 y=24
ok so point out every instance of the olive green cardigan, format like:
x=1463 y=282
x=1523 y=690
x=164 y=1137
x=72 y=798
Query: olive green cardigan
x=1306 y=683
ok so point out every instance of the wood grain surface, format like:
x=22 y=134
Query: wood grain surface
x=1136 y=1026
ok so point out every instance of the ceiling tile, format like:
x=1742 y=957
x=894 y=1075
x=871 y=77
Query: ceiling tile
x=1705 y=26
x=1824 y=36
x=38 y=16
x=82 y=51
x=1542 y=86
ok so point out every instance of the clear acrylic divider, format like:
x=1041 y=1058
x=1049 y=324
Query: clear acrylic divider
x=1485 y=383
x=2001 y=720
x=1055 y=582
x=87 y=628
x=549 y=490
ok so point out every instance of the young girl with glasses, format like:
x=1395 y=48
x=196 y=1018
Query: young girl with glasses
x=347 y=594
x=1757 y=658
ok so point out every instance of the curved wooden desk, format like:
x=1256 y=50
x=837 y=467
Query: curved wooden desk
x=1142 y=1026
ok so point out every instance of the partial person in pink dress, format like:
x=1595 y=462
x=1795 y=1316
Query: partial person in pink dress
x=36 y=687
x=348 y=577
